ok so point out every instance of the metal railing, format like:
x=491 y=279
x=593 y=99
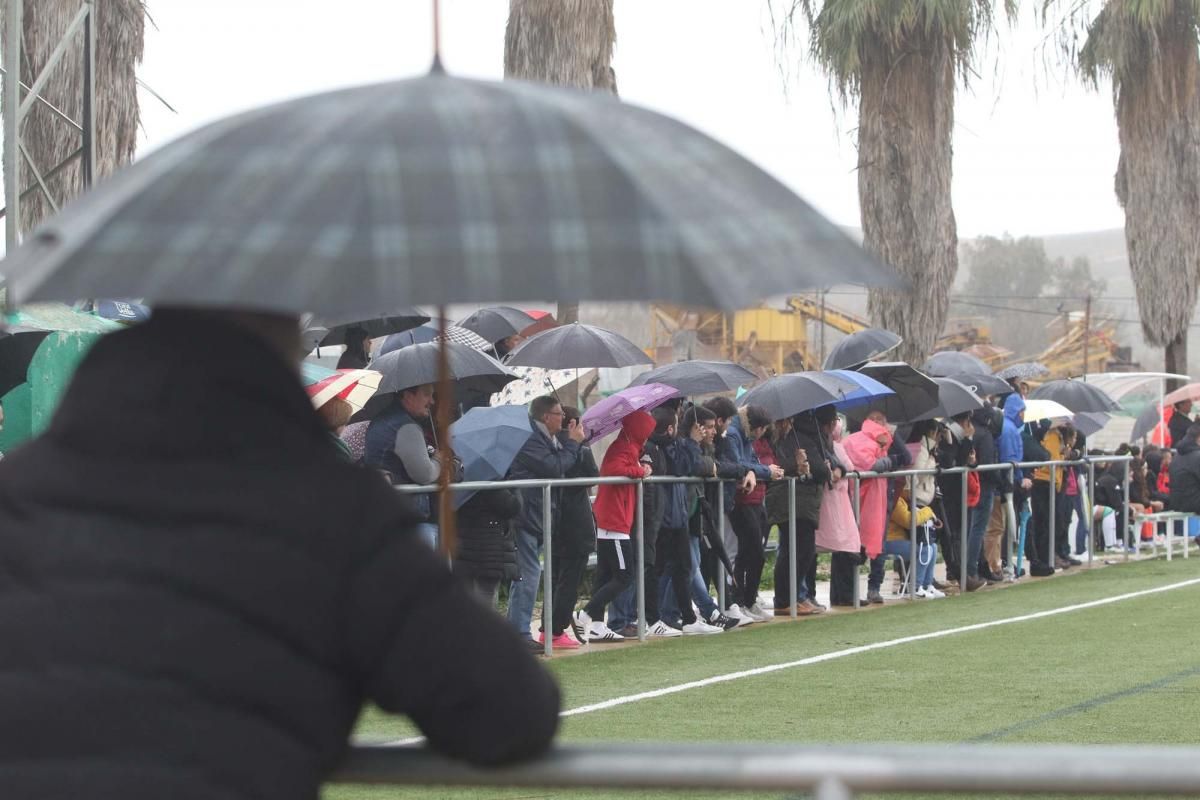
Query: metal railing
x=829 y=772
x=547 y=486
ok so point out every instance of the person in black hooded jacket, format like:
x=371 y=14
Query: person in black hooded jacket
x=989 y=423
x=574 y=538
x=202 y=595
x=487 y=541
x=1185 y=473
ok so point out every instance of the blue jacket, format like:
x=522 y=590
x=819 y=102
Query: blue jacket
x=680 y=461
x=380 y=453
x=1009 y=444
x=539 y=459
x=737 y=448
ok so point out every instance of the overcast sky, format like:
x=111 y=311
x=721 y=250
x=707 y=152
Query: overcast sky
x=1034 y=154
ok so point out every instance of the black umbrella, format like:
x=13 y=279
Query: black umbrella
x=433 y=331
x=787 y=395
x=417 y=365
x=1146 y=421
x=1076 y=396
x=1089 y=422
x=915 y=392
x=577 y=346
x=982 y=385
x=693 y=378
x=400 y=320
x=18 y=345
x=497 y=322
x=953 y=399
x=443 y=190
x=1023 y=371
x=860 y=347
x=954 y=362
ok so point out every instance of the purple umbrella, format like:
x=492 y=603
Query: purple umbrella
x=605 y=417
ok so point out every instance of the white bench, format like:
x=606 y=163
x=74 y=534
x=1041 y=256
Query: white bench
x=1157 y=518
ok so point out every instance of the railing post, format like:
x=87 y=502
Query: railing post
x=792 y=546
x=1050 y=528
x=911 y=577
x=641 y=561
x=720 y=523
x=1091 y=505
x=1126 y=516
x=856 y=500
x=966 y=522
x=832 y=789
x=1012 y=524
x=547 y=577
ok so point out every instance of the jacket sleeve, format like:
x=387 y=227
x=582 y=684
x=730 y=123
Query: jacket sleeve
x=480 y=698
x=539 y=459
x=586 y=466
x=621 y=461
x=746 y=457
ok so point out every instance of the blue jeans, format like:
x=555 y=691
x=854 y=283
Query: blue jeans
x=980 y=516
x=700 y=595
x=622 y=612
x=522 y=593
x=428 y=532
x=926 y=561
x=1081 y=527
x=901 y=549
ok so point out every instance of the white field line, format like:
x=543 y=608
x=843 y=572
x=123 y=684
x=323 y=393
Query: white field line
x=850 y=651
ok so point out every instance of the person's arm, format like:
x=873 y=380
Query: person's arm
x=481 y=698
x=539 y=459
x=414 y=454
x=585 y=466
x=747 y=459
x=622 y=462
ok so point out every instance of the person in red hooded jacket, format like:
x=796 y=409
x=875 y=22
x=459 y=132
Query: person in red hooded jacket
x=615 y=509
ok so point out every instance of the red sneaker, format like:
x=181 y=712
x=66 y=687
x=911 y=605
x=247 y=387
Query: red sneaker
x=561 y=642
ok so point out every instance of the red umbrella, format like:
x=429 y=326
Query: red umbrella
x=544 y=322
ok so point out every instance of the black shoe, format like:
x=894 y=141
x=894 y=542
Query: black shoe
x=1074 y=562
x=535 y=646
x=1041 y=570
x=874 y=597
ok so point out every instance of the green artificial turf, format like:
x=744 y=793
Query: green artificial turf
x=1120 y=673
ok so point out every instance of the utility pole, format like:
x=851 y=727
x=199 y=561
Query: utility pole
x=1087 y=332
x=821 y=364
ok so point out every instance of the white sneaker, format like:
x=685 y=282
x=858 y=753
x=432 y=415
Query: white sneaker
x=599 y=632
x=932 y=593
x=700 y=627
x=757 y=612
x=581 y=623
x=735 y=612
x=662 y=630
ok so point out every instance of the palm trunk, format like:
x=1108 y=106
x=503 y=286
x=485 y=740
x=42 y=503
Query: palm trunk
x=906 y=118
x=1177 y=357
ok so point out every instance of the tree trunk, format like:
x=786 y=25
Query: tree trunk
x=50 y=140
x=567 y=43
x=1177 y=359
x=906 y=120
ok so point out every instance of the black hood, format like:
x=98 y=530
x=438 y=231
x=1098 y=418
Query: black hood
x=1188 y=446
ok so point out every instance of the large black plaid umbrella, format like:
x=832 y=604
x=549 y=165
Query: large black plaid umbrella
x=439 y=190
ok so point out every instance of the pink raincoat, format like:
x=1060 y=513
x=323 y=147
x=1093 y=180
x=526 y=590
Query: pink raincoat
x=837 y=531
x=863 y=451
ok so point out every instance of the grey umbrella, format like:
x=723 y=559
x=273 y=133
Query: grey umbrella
x=398 y=320
x=915 y=392
x=497 y=322
x=693 y=378
x=860 y=347
x=787 y=395
x=954 y=362
x=1076 y=396
x=982 y=385
x=417 y=364
x=953 y=399
x=1089 y=422
x=577 y=346
x=1146 y=422
x=441 y=190
x=1023 y=371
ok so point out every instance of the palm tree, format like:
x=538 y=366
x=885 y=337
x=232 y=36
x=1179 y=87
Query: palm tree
x=1149 y=50
x=901 y=60
x=564 y=42
x=50 y=140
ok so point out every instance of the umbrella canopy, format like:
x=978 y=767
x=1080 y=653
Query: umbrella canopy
x=343 y=384
x=1090 y=422
x=542 y=321
x=418 y=365
x=954 y=362
x=953 y=399
x=860 y=347
x=1026 y=370
x=487 y=441
x=122 y=311
x=868 y=388
x=605 y=417
x=1146 y=422
x=693 y=378
x=1189 y=392
x=1075 y=395
x=577 y=346
x=494 y=189
x=914 y=393
x=533 y=382
x=432 y=332
x=1037 y=410
x=982 y=385
x=787 y=395
x=376 y=326
x=497 y=322
x=18 y=345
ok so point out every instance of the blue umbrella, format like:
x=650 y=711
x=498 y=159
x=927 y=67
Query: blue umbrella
x=487 y=440
x=868 y=390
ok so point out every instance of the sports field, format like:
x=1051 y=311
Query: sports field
x=1070 y=659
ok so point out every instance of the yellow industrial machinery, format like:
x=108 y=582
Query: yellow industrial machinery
x=1065 y=356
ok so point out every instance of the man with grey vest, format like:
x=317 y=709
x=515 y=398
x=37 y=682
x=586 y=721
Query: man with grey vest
x=544 y=456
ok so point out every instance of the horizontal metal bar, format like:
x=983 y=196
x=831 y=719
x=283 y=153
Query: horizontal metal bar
x=950 y=768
